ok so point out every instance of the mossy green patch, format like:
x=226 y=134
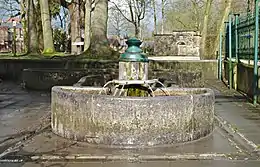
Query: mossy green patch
x=48 y=51
x=103 y=52
x=32 y=55
x=137 y=92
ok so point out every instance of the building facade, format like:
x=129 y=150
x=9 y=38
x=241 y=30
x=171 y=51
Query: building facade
x=7 y=36
x=177 y=43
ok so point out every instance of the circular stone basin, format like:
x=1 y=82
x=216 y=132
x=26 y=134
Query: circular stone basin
x=82 y=114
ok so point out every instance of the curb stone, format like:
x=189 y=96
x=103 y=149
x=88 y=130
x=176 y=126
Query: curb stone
x=131 y=158
x=239 y=137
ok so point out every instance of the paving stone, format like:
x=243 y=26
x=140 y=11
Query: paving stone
x=181 y=163
x=240 y=114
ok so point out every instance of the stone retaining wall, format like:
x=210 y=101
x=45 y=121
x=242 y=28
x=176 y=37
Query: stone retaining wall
x=242 y=77
x=208 y=68
x=45 y=79
x=233 y=72
x=43 y=74
x=12 y=69
x=245 y=76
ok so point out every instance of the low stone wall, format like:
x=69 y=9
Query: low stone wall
x=182 y=79
x=245 y=76
x=234 y=73
x=45 y=79
x=11 y=69
x=208 y=68
x=83 y=114
x=242 y=77
x=43 y=74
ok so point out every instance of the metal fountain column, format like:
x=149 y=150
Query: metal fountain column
x=133 y=73
x=133 y=64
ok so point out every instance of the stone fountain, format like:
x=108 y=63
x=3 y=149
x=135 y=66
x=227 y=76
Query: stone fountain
x=131 y=111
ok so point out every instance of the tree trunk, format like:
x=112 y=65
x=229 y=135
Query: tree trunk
x=222 y=24
x=99 y=25
x=74 y=11
x=163 y=16
x=39 y=27
x=137 y=30
x=24 y=25
x=33 y=46
x=154 y=17
x=196 y=13
x=87 y=24
x=46 y=26
x=204 y=31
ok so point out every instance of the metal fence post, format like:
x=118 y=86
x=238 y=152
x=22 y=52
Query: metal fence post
x=236 y=36
x=256 y=51
x=220 y=57
x=226 y=39
x=230 y=50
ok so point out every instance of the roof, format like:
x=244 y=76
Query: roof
x=13 y=19
x=10 y=25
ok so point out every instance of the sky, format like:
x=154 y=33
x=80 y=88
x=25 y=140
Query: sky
x=8 y=4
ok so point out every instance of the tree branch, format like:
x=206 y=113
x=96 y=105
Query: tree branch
x=131 y=11
x=120 y=11
x=178 y=20
x=144 y=11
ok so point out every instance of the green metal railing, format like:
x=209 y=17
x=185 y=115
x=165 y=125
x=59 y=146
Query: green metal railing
x=241 y=42
x=240 y=30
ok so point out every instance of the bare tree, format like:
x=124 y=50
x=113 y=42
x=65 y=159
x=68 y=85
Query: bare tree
x=133 y=11
x=183 y=15
x=197 y=7
x=117 y=24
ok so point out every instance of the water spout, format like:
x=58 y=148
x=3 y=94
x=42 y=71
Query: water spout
x=120 y=85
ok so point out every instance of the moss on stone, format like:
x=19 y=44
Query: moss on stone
x=103 y=52
x=137 y=92
x=48 y=51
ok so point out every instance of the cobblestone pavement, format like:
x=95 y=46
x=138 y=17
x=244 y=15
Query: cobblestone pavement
x=26 y=138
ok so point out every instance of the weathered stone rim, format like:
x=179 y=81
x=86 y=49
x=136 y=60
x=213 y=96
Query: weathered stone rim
x=189 y=91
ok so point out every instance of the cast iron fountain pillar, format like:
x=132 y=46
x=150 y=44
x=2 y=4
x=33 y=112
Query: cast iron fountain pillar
x=133 y=64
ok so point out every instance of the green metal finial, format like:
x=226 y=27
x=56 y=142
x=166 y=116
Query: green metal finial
x=133 y=53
